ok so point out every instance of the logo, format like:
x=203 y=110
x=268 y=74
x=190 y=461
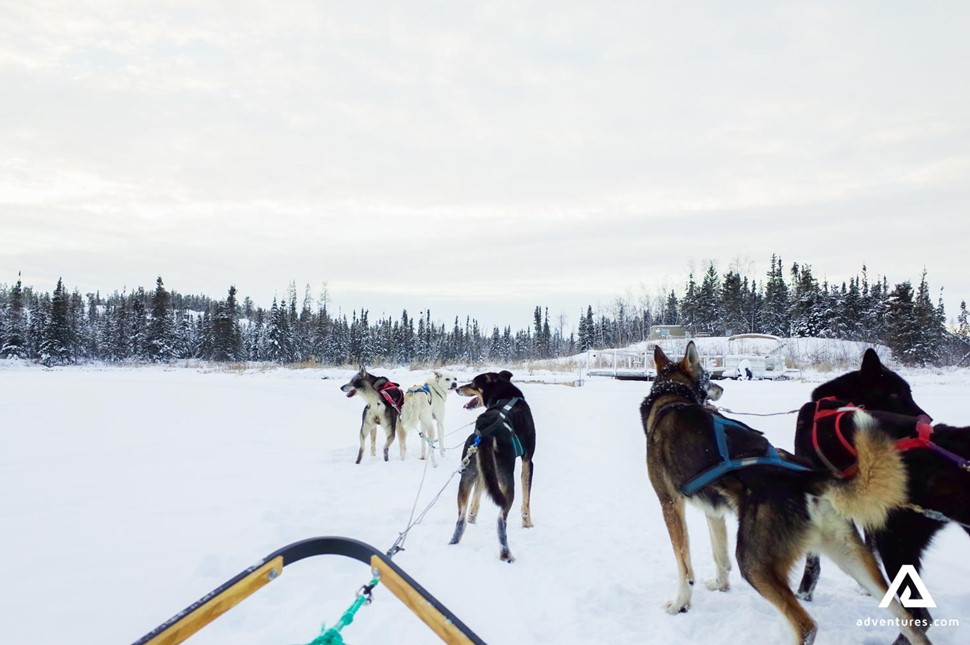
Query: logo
x=908 y=571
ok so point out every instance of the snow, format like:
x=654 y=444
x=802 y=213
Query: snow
x=130 y=492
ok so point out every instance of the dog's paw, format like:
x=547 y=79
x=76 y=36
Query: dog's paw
x=506 y=556
x=673 y=608
x=804 y=595
x=527 y=523
x=718 y=585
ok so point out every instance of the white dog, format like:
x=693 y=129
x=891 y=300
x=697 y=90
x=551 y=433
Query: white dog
x=424 y=406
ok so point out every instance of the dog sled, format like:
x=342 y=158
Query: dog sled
x=220 y=600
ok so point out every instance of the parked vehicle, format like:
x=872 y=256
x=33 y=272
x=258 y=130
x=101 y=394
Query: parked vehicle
x=749 y=357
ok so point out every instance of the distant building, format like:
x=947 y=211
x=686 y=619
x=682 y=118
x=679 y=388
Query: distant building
x=660 y=332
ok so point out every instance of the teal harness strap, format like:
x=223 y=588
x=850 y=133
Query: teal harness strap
x=502 y=422
x=729 y=464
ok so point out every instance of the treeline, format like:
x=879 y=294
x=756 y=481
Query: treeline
x=161 y=325
x=901 y=317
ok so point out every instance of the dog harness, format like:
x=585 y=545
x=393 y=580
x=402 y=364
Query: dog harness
x=924 y=432
x=423 y=388
x=392 y=394
x=828 y=440
x=502 y=408
x=729 y=463
x=841 y=457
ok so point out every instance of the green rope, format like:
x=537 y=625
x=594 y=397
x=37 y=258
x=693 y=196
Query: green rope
x=332 y=636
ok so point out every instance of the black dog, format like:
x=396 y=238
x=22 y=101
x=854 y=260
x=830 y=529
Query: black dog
x=936 y=482
x=503 y=432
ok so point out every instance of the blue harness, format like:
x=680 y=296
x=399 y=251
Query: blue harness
x=500 y=423
x=729 y=464
x=423 y=388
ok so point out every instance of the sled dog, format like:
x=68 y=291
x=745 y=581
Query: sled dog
x=937 y=467
x=423 y=408
x=382 y=404
x=784 y=508
x=504 y=431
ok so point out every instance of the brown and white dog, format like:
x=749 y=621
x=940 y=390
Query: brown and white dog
x=784 y=508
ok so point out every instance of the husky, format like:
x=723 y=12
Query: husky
x=504 y=431
x=938 y=477
x=784 y=508
x=382 y=399
x=424 y=405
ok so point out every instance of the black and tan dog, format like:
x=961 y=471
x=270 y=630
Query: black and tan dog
x=938 y=477
x=503 y=432
x=382 y=399
x=784 y=508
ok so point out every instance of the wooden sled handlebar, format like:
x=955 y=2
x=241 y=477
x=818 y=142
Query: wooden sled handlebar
x=220 y=600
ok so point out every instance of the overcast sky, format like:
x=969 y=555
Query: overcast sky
x=480 y=158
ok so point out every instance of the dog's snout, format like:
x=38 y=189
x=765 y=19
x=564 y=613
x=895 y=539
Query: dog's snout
x=714 y=392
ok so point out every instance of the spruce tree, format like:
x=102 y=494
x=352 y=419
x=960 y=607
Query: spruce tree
x=732 y=303
x=13 y=332
x=775 y=317
x=709 y=305
x=902 y=332
x=688 y=305
x=57 y=343
x=160 y=339
x=963 y=322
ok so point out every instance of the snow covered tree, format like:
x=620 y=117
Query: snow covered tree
x=806 y=317
x=226 y=333
x=903 y=332
x=160 y=338
x=688 y=305
x=671 y=310
x=775 y=317
x=709 y=306
x=930 y=331
x=13 y=327
x=963 y=323
x=57 y=343
x=732 y=304
x=279 y=345
x=138 y=330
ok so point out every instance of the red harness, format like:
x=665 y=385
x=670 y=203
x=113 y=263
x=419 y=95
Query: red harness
x=393 y=395
x=922 y=439
x=841 y=457
x=840 y=450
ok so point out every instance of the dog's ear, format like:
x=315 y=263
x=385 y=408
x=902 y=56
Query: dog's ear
x=363 y=371
x=437 y=374
x=660 y=359
x=380 y=382
x=507 y=375
x=692 y=360
x=871 y=365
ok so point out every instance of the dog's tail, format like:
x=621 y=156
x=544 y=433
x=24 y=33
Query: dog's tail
x=489 y=471
x=409 y=410
x=881 y=484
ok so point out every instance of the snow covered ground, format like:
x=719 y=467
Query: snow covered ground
x=128 y=493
